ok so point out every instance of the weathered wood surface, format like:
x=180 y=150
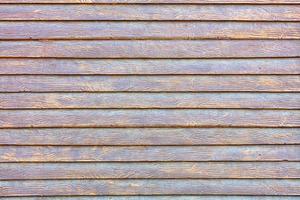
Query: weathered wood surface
x=146 y=187
x=150 y=97
x=148 y=30
x=183 y=83
x=46 y=66
x=164 y=170
x=151 y=12
x=150 y=136
x=162 y=197
x=151 y=49
x=156 y=1
x=149 y=153
x=149 y=118
x=149 y=100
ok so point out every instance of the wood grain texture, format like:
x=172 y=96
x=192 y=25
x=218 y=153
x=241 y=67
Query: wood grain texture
x=164 y=170
x=151 y=49
x=149 y=66
x=186 y=83
x=151 y=12
x=156 y=1
x=150 y=136
x=149 y=118
x=149 y=153
x=160 y=197
x=149 y=100
x=150 y=97
x=149 y=187
x=148 y=30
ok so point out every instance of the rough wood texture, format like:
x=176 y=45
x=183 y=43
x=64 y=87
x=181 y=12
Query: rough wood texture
x=157 y=1
x=193 y=170
x=149 y=118
x=148 y=30
x=160 y=197
x=146 y=187
x=150 y=136
x=186 y=83
x=151 y=12
x=149 y=66
x=149 y=153
x=149 y=100
x=151 y=49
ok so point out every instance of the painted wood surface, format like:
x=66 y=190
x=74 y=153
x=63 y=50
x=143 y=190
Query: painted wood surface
x=149 y=30
x=149 y=153
x=164 y=197
x=21 y=66
x=160 y=197
x=146 y=187
x=151 y=49
x=151 y=12
x=149 y=118
x=150 y=136
x=149 y=99
x=183 y=83
x=151 y=170
x=156 y=1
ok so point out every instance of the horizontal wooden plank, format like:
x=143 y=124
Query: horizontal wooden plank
x=156 y=1
x=149 y=66
x=149 y=100
x=149 y=118
x=184 y=83
x=159 y=197
x=150 y=136
x=149 y=153
x=151 y=49
x=151 y=12
x=148 y=30
x=149 y=187
x=165 y=170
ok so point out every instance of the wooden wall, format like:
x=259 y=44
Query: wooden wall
x=150 y=99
